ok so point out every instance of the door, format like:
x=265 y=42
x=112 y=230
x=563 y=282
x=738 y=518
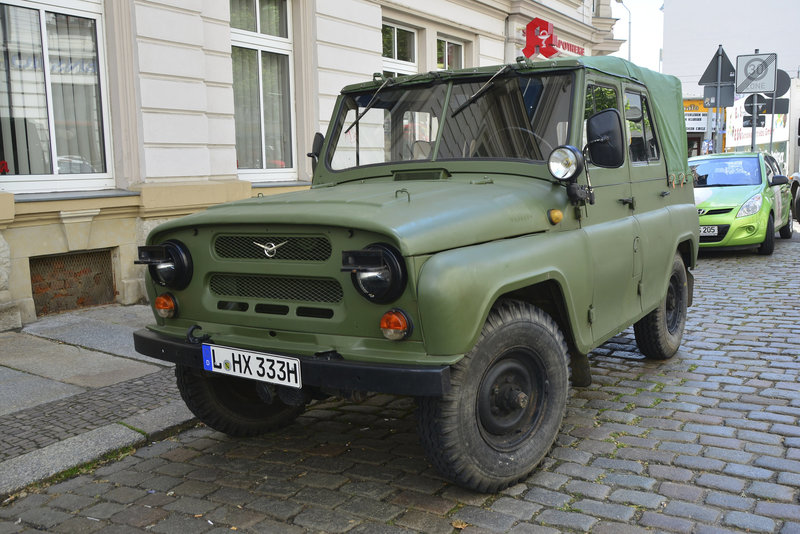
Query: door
x=612 y=233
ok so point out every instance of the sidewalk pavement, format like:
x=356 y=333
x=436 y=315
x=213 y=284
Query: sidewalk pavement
x=73 y=389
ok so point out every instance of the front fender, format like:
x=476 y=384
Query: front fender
x=457 y=288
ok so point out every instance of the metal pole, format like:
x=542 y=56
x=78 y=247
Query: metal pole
x=754 y=115
x=718 y=136
x=772 y=122
x=755 y=120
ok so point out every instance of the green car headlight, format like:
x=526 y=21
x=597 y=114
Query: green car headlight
x=751 y=207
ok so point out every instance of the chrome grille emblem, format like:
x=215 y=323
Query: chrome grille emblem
x=701 y=211
x=270 y=249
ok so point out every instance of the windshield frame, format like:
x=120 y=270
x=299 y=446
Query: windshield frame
x=347 y=108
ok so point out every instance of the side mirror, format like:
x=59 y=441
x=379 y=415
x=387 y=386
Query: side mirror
x=605 y=139
x=779 y=180
x=316 y=148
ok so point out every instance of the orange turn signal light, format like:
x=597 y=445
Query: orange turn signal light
x=165 y=306
x=396 y=325
x=555 y=216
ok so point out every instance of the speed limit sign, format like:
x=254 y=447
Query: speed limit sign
x=756 y=73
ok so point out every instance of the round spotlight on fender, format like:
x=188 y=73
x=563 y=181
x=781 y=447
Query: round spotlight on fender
x=383 y=283
x=565 y=163
x=396 y=325
x=165 y=306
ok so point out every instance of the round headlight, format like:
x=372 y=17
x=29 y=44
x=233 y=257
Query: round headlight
x=565 y=162
x=177 y=271
x=385 y=283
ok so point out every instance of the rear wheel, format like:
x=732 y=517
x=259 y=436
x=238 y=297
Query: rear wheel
x=659 y=333
x=768 y=245
x=506 y=402
x=232 y=405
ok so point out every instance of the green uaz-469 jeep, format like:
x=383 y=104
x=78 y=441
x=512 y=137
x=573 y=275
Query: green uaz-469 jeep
x=468 y=238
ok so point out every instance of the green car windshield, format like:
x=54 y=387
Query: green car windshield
x=723 y=172
x=516 y=116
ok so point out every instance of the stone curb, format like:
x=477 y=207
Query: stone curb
x=36 y=466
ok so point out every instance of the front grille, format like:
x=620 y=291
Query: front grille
x=276 y=287
x=273 y=247
x=717 y=211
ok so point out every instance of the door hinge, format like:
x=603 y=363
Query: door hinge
x=590 y=316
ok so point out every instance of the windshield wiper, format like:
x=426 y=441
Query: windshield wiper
x=369 y=105
x=480 y=92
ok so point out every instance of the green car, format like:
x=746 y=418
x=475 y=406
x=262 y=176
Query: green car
x=741 y=198
x=453 y=247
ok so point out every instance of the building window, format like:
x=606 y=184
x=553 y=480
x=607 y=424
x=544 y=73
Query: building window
x=449 y=55
x=399 y=50
x=52 y=123
x=262 y=89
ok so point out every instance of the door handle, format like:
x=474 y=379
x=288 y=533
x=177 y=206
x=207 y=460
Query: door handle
x=628 y=201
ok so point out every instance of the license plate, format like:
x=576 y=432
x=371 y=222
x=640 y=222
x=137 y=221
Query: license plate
x=708 y=230
x=255 y=365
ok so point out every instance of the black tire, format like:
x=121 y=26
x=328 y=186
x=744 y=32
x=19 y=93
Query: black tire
x=796 y=205
x=768 y=245
x=506 y=403
x=786 y=230
x=232 y=405
x=659 y=333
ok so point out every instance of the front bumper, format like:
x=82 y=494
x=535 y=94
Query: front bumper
x=325 y=371
x=734 y=232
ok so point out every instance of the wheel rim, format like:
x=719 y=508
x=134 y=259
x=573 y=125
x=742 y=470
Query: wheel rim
x=511 y=399
x=674 y=304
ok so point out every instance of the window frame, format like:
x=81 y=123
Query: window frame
x=261 y=43
x=447 y=41
x=398 y=66
x=647 y=116
x=54 y=181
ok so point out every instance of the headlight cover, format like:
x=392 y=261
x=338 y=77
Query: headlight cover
x=378 y=272
x=565 y=162
x=169 y=263
x=751 y=207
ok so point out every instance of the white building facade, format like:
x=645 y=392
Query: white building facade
x=116 y=115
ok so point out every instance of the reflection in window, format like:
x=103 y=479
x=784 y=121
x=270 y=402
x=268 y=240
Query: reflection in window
x=24 y=130
x=26 y=140
x=74 y=78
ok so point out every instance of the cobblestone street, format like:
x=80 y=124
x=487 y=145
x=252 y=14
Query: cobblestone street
x=706 y=442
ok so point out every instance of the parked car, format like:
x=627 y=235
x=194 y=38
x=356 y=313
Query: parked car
x=452 y=247
x=794 y=184
x=742 y=198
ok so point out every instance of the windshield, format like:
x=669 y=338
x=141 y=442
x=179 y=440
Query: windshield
x=720 y=172
x=510 y=117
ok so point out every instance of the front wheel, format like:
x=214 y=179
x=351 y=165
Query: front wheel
x=659 y=333
x=232 y=405
x=768 y=245
x=506 y=402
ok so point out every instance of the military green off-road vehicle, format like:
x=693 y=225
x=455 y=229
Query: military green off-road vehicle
x=468 y=238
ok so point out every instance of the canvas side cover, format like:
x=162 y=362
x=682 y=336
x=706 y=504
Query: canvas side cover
x=665 y=92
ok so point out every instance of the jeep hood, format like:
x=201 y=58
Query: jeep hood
x=421 y=216
x=724 y=197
